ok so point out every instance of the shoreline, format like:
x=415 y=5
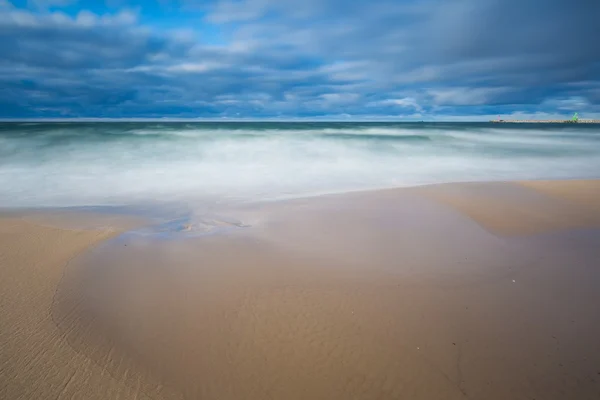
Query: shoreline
x=459 y=290
x=148 y=213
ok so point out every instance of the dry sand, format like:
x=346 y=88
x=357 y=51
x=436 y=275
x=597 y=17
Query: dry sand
x=459 y=291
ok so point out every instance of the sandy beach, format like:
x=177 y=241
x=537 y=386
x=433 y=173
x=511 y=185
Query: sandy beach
x=451 y=291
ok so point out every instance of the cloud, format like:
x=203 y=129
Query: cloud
x=46 y=4
x=317 y=58
x=567 y=103
x=405 y=102
x=462 y=96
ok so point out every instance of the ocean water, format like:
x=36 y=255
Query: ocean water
x=128 y=163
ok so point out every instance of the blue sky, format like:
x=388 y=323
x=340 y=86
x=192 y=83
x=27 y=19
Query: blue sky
x=290 y=59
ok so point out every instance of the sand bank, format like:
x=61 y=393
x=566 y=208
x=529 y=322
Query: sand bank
x=470 y=291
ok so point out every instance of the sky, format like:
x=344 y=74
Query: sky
x=300 y=59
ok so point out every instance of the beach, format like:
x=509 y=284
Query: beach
x=453 y=291
x=315 y=200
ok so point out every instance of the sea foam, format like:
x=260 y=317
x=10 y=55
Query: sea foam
x=80 y=164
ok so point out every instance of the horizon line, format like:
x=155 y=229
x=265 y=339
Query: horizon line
x=164 y=119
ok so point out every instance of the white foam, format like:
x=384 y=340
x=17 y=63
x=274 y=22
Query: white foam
x=223 y=164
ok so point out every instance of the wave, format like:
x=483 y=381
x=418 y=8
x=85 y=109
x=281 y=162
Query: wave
x=193 y=132
x=127 y=163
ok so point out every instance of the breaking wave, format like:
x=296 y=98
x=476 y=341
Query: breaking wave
x=78 y=164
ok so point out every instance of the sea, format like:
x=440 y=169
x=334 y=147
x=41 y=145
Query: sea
x=75 y=164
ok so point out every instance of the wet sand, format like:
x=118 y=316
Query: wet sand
x=458 y=291
x=36 y=362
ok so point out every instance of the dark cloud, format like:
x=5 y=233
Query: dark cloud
x=86 y=41
x=280 y=58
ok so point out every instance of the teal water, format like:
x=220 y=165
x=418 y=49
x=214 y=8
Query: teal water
x=49 y=164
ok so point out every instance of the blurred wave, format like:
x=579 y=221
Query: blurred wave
x=78 y=164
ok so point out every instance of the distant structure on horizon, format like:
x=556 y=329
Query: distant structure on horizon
x=574 y=120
